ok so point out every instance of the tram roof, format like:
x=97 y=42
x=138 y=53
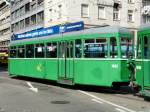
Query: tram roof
x=102 y=30
x=144 y=27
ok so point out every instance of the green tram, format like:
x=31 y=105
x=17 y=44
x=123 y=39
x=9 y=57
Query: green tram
x=142 y=75
x=96 y=56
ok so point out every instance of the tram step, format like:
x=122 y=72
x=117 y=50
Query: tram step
x=65 y=81
x=146 y=93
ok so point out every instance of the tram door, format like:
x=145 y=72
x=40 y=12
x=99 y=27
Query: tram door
x=146 y=63
x=66 y=63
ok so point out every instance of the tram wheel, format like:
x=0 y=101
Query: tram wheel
x=116 y=87
x=146 y=98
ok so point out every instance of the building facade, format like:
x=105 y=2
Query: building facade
x=94 y=13
x=4 y=26
x=27 y=15
x=145 y=12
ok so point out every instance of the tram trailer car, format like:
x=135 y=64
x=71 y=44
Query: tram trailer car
x=4 y=58
x=95 y=56
x=142 y=75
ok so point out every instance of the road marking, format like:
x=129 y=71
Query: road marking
x=31 y=87
x=120 y=110
x=105 y=101
x=97 y=101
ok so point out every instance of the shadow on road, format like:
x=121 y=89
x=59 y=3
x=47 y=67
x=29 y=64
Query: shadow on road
x=106 y=90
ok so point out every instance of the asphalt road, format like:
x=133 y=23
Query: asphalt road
x=20 y=95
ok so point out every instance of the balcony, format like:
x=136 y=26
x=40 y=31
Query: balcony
x=18 y=5
x=5 y=37
x=5 y=25
x=27 y=14
x=105 y=2
x=146 y=10
x=146 y=3
x=5 y=9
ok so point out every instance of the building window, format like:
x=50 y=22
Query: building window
x=101 y=12
x=17 y=13
x=33 y=5
x=130 y=1
x=27 y=22
x=12 y=27
x=27 y=7
x=40 y=17
x=50 y=14
x=130 y=16
x=22 y=11
x=40 y=2
x=17 y=26
x=116 y=11
x=84 y=10
x=33 y=20
x=116 y=14
x=59 y=11
x=13 y=15
x=21 y=24
x=146 y=19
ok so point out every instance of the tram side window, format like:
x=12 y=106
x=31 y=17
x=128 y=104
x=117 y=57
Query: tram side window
x=70 y=49
x=95 y=48
x=13 y=52
x=30 y=51
x=78 y=48
x=146 y=47
x=126 y=47
x=39 y=50
x=51 y=50
x=139 y=48
x=21 y=51
x=113 y=47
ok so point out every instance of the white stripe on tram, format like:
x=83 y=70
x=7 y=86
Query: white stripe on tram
x=102 y=59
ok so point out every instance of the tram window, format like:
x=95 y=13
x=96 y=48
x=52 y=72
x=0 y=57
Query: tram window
x=78 y=48
x=51 y=50
x=126 y=47
x=13 y=52
x=146 y=47
x=96 y=49
x=21 y=51
x=139 y=48
x=70 y=50
x=90 y=41
x=113 y=47
x=30 y=51
x=39 y=50
x=62 y=50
